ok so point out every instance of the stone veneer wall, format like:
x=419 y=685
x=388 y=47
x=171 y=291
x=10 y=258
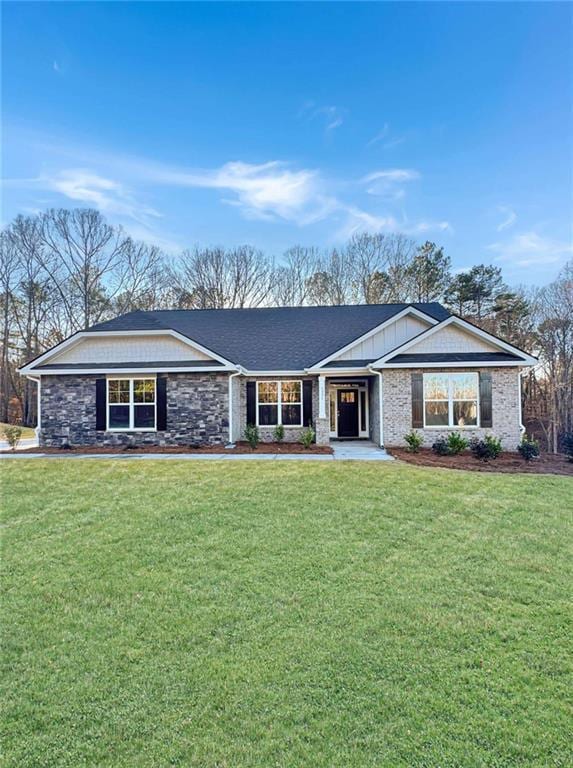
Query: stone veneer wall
x=398 y=407
x=292 y=434
x=197 y=412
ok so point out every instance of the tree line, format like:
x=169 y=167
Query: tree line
x=64 y=270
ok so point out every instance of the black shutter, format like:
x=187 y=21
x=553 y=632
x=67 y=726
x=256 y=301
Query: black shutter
x=100 y=405
x=417 y=400
x=251 y=402
x=161 y=397
x=307 y=402
x=485 y=409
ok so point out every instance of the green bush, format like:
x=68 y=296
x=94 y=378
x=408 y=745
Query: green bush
x=528 y=448
x=279 y=433
x=486 y=449
x=456 y=443
x=307 y=437
x=414 y=440
x=12 y=433
x=567 y=443
x=441 y=447
x=252 y=435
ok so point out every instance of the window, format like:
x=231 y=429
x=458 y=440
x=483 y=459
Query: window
x=451 y=399
x=131 y=404
x=279 y=402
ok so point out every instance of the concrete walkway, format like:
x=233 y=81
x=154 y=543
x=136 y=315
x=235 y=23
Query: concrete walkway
x=359 y=450
x=28 y=442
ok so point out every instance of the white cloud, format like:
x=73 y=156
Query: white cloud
x=332 y=116
x=56 y=66
x=380 y=135
x=509 y=217
x=385 y=133
x=388 y=183
x=107 y=195
x=531 y=249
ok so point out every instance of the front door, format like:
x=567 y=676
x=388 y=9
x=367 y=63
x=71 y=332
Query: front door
x=347 y=413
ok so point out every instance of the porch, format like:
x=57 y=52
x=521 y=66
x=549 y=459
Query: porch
x=348 y=409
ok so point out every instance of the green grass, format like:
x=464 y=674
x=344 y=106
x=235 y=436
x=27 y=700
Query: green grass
x=284 y=614
x=27 y=432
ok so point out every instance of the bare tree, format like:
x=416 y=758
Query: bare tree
x=142 y=276
x=554 y=316
x=332 y=282
x=292 y=279
x=81 y=254
x=8 y=281
x=215 y=278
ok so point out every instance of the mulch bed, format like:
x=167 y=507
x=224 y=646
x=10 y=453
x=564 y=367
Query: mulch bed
x=240 y=447
x=546 y=464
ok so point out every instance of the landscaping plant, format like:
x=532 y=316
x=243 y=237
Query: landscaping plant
x=252 y=435
x=456 y=443
x=279 y=433
x=414 y=440
x=528 y=448
x=441 y=447
x=486 y=449
x=307 y=437
x=12 y=433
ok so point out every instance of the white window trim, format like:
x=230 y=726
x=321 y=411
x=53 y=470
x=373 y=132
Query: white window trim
x=131 y=404
x=451 y=400
x=278 y=403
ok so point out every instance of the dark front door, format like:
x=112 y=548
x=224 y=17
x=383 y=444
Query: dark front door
x=347 y=413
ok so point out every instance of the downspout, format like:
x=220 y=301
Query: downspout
x=519 y=376
x=380 y=405
x=239 y=372
x=38 y=382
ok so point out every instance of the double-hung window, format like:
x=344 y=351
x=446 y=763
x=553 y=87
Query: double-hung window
x=451 y=399
x=131 y=404
x=279 y=402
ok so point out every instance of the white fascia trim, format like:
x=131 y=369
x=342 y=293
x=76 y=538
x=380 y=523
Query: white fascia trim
x=113 y=371
x=77 y=337
x=472 y=329
x=331 y=372
x=247 y=372
x=467 y=364
x=406 y=311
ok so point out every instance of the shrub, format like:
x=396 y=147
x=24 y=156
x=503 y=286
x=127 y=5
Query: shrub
x=279 y=433
x=307 y=437
x=528 y=448
x=568 y=445
x=252 y=435
x=414 y=440
x=12 y=433
x=456 y=443
x=486 y=449
x=441 y=447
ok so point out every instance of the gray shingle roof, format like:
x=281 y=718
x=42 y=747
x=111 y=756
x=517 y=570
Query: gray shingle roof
x=273 y=339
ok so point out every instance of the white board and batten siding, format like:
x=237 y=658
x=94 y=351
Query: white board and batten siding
x=452 y=339
x=386 y=339
x=129 y=349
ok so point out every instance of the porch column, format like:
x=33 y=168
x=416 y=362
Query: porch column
x=322 y=397
x=321 y=423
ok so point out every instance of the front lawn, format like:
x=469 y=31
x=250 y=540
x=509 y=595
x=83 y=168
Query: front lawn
x=165 y=613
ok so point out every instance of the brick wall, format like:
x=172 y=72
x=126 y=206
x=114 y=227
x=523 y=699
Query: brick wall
x=398 y=408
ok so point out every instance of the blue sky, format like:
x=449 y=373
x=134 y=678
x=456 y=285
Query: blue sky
x=277 y=124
